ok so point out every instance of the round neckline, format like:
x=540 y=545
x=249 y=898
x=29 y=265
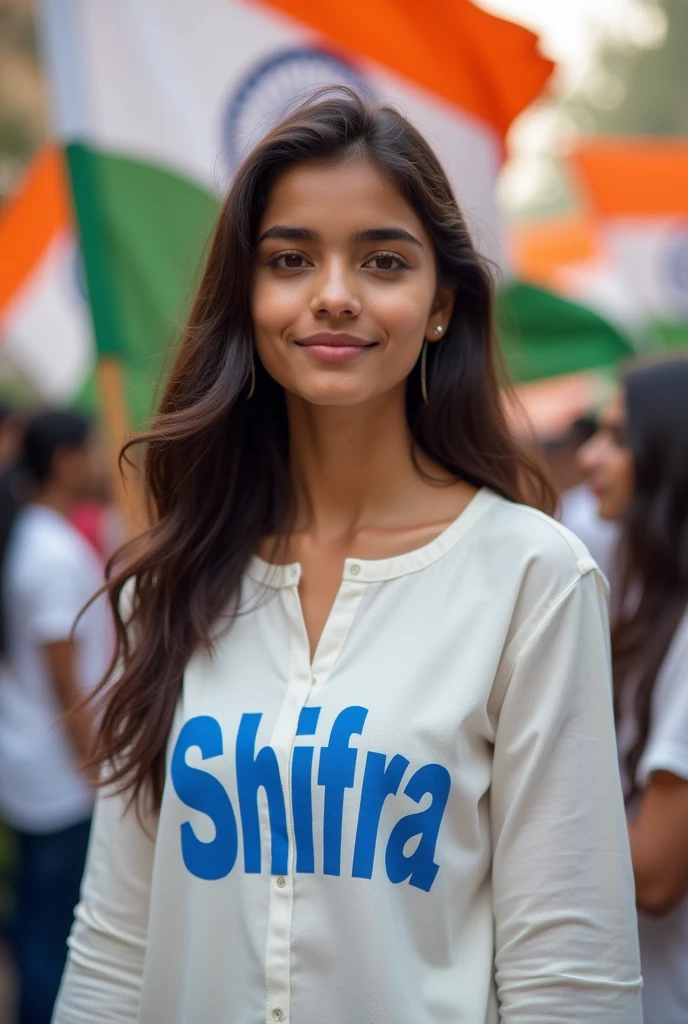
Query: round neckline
x=362 y=570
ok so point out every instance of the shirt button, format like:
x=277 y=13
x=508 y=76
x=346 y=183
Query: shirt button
x=280 y=882
x=277 y=1014
x=355 y=569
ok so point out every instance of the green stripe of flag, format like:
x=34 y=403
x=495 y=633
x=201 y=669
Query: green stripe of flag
x=143 y=234
x=91 y=216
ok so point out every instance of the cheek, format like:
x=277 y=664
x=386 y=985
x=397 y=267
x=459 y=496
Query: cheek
x=401 y=312
x=277 y=308
x=623 y=474
x=275 y=304
x=618 y=479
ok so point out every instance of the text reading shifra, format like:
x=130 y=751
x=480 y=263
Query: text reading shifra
x=410 y=845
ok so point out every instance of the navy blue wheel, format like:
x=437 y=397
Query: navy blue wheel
x=275 y=87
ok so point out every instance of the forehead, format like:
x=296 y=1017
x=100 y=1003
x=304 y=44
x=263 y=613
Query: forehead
x=348 y=196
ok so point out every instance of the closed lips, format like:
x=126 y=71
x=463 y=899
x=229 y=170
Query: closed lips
x=336 y=341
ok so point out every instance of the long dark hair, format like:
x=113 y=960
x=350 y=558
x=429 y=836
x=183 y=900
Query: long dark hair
x=45 y=434
x=217 y=465
x=653 y=592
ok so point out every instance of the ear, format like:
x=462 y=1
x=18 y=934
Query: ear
x=442 y=309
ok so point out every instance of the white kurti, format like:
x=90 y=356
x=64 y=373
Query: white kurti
x=423 y=826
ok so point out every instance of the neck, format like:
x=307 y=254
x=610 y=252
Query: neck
x=55 y=498
x=350 y=465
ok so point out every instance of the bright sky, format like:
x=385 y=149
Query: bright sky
x=568 y=30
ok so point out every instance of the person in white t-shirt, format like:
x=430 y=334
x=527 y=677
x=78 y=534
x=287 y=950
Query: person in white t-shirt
x=359 y=754
x=48 y=573
x=637 y=464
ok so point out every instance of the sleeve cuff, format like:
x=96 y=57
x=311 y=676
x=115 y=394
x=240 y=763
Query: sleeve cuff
x=673 y=757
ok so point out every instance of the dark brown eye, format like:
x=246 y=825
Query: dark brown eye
x=288 y=261
x=292 y=260
x=386 y=262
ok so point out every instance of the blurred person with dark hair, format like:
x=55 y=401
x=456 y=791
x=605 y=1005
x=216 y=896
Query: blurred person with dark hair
x=48 y=573
x=637 y=464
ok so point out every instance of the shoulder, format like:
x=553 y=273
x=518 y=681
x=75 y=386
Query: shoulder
x=43 y=545
x=531 y=542
x=532 y=564
x=541 y=577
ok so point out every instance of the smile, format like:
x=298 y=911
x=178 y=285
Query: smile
x=336 y=348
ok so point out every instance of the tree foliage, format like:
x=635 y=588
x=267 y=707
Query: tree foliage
x=22 y=97
x=652 y=82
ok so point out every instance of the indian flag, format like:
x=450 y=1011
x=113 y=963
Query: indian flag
x=45 y=328
x=637 y=191
x=157 y=101
x=621 y=261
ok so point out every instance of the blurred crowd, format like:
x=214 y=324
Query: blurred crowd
x=57 y=528
x=622 y=476
x=623 y=479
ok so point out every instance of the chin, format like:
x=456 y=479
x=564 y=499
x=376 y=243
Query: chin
x=339 y=392
x=334 y=398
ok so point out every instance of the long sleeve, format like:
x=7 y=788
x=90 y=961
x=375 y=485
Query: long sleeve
x=102 y=981
x=565 y=921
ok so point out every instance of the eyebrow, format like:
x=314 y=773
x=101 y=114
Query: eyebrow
x=387 y=234
x=288 y=233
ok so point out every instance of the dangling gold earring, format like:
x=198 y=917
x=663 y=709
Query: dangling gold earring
x=253 y=382
x=424 y=364
x=423 y=372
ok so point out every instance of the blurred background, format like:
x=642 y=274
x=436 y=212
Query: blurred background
x=563 y=126
x=586 y=166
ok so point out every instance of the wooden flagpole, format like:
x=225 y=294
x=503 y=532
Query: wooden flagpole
x=128 y=492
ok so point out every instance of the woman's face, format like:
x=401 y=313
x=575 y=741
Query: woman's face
x=345 y=288
x=606 y=460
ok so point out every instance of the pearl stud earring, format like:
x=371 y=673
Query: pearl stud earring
x=438 y=330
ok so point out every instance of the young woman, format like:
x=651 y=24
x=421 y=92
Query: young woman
x=48 y=571
x=360 y=749
x=638 y=466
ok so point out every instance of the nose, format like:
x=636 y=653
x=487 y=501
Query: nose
x=334 y=294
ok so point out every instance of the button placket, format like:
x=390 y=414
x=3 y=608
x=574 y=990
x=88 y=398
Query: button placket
x=278 y=947
x=304 y=677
